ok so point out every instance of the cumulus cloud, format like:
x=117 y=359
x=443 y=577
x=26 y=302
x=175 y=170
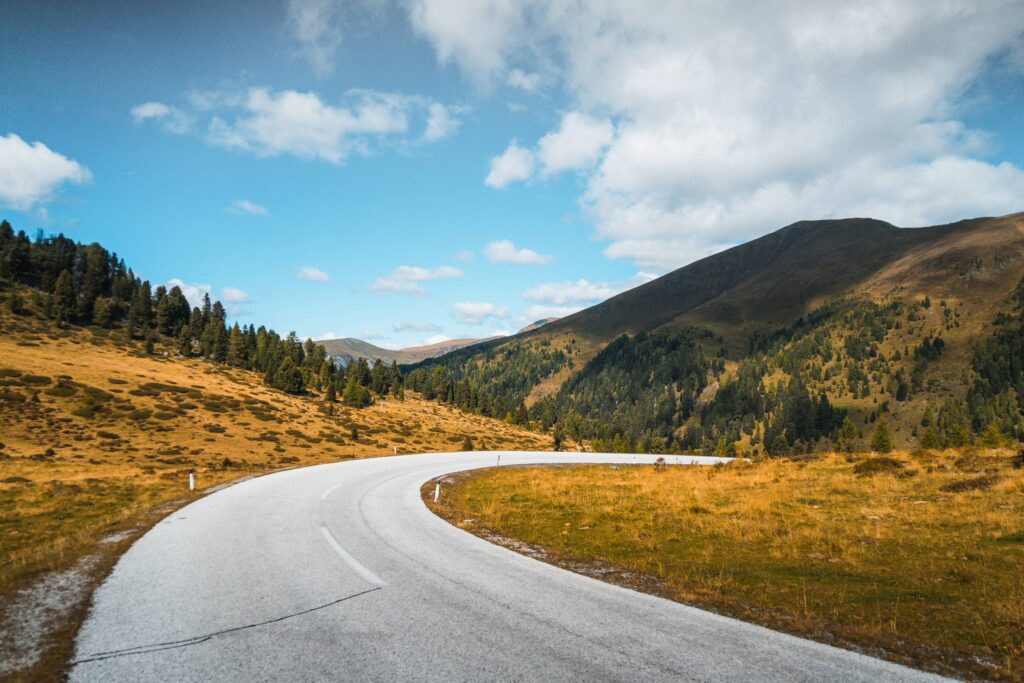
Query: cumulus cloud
x=731 y=123
x=33 y=173
x=269 y=123
x=312 y=273
x=441 y=121
x=576 y=144
x=515 y=163
x=234 y=295
x=504 y=251
x=559 y=299
x=408 y=279
x=465 y=255
x=542 y=311
x=194 y=293
x=301 y=124
x=172 y=120
x=414 y=326
x=244 y=206
x=478 y=312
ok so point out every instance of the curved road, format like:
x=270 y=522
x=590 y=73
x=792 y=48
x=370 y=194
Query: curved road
x=341 y=572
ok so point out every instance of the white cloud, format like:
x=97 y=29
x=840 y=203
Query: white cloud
x=731 y=123
x=515 y=163
x=517 y=78
x=465 y=255
x=302 y=125
x=269 y=123
x=473 y=34
x=234 y=295
x=563 y=292
x=504 y=251
x=32 y=173
x=194 y=293
x=500 y=333
x=407 y=279
x=440 y=122
x=559 y=299
x=327 y=336
x=312 y=273
x=172 y=119
x=542 y=311
x=244 y=206
x=414 y=326
x=436 y=339
x=577 y=144
x=314 y=26
x=478 y=312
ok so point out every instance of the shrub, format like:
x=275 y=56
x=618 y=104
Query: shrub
x=877 y=465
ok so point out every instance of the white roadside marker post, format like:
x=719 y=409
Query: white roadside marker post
x=191 y=480
x=437 y=491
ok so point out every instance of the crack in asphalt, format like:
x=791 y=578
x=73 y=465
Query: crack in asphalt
x=196 y=640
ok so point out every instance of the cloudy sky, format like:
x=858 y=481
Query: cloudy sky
x=409 y=170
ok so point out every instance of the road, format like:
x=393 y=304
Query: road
x=341 y=572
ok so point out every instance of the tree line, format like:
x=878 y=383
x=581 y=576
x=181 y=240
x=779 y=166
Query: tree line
x=83 y=284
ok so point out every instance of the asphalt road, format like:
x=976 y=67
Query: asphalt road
x=340 y=572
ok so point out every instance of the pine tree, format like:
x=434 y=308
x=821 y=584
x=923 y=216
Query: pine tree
x=101 y=312
x=185 y=341
x=287 y=378
x=881 y=438
x=64 y=302
x=236 y=347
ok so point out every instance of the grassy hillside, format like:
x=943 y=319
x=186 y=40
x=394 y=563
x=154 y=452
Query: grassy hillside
x=798 y=333
x=97 y=435
x=914 y=557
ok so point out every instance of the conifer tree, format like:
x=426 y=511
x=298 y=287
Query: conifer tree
x=881 y=438
x=287 y=378
x=64 y=302
x=100 y=312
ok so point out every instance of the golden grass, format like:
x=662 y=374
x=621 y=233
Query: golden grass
x=920 y=561
x=95 y=433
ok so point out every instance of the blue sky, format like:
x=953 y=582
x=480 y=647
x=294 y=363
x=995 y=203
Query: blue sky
x=408 y=170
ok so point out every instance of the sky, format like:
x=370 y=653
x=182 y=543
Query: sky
x=407 y=171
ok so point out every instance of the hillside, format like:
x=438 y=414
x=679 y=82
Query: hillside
x=97 y=436
x=350 y=347
x=776 y=344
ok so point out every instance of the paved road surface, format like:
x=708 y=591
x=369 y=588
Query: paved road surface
x=340 y=572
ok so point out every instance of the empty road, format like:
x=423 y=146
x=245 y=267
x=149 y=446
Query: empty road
x=340 y=572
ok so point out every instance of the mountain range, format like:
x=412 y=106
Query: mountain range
x=348 y=348
x=868 y=321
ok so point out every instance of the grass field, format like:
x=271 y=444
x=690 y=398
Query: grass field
x=918 y=558
x=95 y=436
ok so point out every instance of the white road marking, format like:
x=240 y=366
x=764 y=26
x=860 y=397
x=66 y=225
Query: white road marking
x=352 y=562
x=323 y=496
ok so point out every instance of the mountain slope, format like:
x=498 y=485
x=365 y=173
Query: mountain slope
x=350 y=347
x=775 y=345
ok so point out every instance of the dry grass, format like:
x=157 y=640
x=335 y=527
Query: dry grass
x=95 y=434
x=920 y=563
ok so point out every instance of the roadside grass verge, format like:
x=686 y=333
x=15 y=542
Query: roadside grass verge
x=920 y=562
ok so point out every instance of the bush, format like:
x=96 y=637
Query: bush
x=877 y=465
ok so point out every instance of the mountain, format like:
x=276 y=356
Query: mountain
x=537 y=324
x=350 y=347
x=776 y=343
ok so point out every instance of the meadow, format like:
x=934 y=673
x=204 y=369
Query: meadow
x=915 y=557
x=97 y=437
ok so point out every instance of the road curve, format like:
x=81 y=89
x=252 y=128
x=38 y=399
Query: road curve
x=340 y=572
